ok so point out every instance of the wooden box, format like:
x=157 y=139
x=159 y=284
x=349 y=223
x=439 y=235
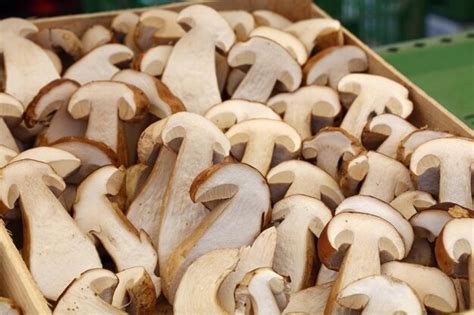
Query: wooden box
x=15 y=280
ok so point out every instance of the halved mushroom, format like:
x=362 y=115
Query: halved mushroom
x=125 y=22
x=135 y=293
x=366 y=168
x=385 y=132
x=409 y=202
x=98 y=64
x=375 y=94
x=308 y=109
x=198 y=144
x=197 y=292
x=310 y=301
x=296 y=177
x=319 y=32
x=352 y=240
x=263 y=143
x=414 y=140
x=446 y=164
x=52 y=100
x=158 y=27
x=73 y=252
x=107 y=103
x=89 y=294
x=95 y=36
x=240 y=21
x=10 y=107
x=17 y=26
x=242 y=214
x=51 y=38
x=231 y=112
x=154 y=60
x=9 y=307
x=330 y=148
x=270 y=63
x=454 y=251
x=302 y=218
x=291 y=43
x=259 y=255
x=185 y=70
x=434 y=289
x=270 y=18
x=96 y=215
x=381 y=295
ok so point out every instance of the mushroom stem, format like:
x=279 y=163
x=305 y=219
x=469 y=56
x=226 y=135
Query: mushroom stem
x=456 y=185
x=257 y=79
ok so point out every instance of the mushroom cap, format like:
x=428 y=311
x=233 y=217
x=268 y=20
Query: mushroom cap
x=10 y=106
x=429 y=223
x=125 y=22
x=165 y=22
x=309 y=30
x=409 y=202
x=376 y=207
x=154 y=60
x=63 y=38
x=381 y=295
x=95 y=36
x=412 y=141
x=20 y=27
x=270 y=18
x=240 y=21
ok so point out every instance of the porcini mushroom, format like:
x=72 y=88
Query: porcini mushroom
x=94 y=37
x=247 y=204
x=96 y=215
x=98 y=64
x=308 y=109
x=9 y=107
x=72 y=253
x=51 y=38
x=318 y=32
x=197 y=292
x=6 y=154
x=231 y=112
x=310 y=301
x=185 y=71
x=302 y=218
x=375 y=94
x=331 y=147
x=89 y=294
x=262 y=143
x=409 y=202
x=158 y=27
x=414 y=140
x=299 y=177
x=154 y=60
x=124 y=22
x=270 y=18
x=454 y=159
x=434 y=289
x=240 y=21
x=270 y=62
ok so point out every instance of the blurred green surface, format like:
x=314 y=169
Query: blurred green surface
x=442 y=66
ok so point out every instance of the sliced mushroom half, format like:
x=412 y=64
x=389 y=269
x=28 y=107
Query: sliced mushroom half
x=154 y=60
x=10 y=107
x=240 y=21
x=410 y=202
x=270 y=18
x=95 y=36
x=414 y=140
x=319 y=32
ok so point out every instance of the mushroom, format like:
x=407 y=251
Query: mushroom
x=367 y=167
x=380 y=295
x=52 y=100
x=421 y=253
x=263 y=143
x=231 y=112
x=302 y=218
x=10 y=107
x=330 y=65
x=385 y=132
x=185 y=70
x=291 y=43
x=135 y=178
x=352 y=240
x=198 y=144
x=242 y=215
x=72 y=253
x=454 y=251
x=326 y=275
x=240 y=21
x=222 y=71
x=135 y=292
x=331 y=147
x=453 y=159
x=259 y=255
x=162 y=102
x=6 y=154
x=310 y=301
x=429 y=223
x=89 y=294
x=50 y=38
x=9 y=307
x=17 y=26
x=197 y=291
x=107 y=103
x=308 y=109
x=158 y=27
x=96 y=215
x=95 y=36
x=320 y=33
x=125 y=22
x=154 y=60
x=58 y=64
x=235 y=76
x=376 y=207
x=98 y=64
x=299 y=177
x=270 y=18
x=434 y=289
x=375 y=94
x=409 y=202
x=414 y=140
x=270 y=62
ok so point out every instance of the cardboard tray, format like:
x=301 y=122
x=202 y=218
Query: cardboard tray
x=15 y=280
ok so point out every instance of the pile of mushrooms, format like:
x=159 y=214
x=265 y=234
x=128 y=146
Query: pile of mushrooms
x=245 y=165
